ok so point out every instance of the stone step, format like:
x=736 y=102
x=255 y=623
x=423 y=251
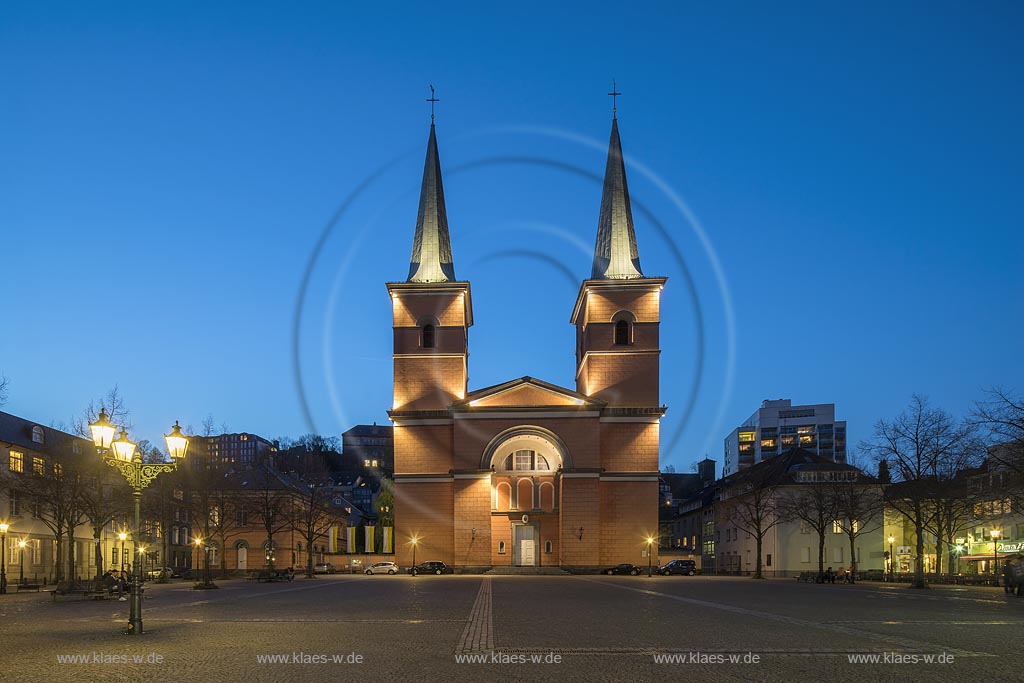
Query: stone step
x=527 y=571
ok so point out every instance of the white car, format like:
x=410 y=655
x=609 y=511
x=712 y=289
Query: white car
x=382 y=568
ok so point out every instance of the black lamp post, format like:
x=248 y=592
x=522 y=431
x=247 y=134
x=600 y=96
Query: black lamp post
x=121 y=453
x=650 y=548
x=995 y=556
x=4 y=526
x=21 y=561
x=414 y=542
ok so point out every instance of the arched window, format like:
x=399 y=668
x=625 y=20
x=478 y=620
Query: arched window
x=38 y=435
x=428 y=336
x=622 y=333
x=501 y=547
x=547 y=547
x=623 y=328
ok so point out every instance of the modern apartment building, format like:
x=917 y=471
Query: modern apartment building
x=778 y=426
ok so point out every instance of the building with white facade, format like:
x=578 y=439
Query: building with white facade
x=779 y=426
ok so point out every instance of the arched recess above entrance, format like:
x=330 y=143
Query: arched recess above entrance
x=541 y=441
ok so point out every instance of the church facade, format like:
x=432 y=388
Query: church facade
x=527 y=473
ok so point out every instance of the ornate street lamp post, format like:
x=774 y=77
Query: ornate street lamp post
x=121 y=453
x=21 y=561
x=4 y=526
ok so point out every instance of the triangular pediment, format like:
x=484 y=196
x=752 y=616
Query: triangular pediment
x=527 y=392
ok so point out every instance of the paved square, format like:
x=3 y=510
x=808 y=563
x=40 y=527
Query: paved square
x=472 y=628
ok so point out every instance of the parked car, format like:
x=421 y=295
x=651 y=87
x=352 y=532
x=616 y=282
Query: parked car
x=432 y=567
x=382 y=568
x=624 y=568
x=154 y=574
x=684 y=567
x=323 y=568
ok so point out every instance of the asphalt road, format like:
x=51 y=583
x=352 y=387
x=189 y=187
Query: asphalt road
x=473 y=628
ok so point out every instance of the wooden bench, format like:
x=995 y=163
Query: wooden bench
x=29 y=587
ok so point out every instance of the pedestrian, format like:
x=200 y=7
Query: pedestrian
x=1008 y=575
x=121 y=583
x=830 y=576
x=291 y=574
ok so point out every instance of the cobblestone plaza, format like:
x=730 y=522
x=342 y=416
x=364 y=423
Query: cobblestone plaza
x=473 y=628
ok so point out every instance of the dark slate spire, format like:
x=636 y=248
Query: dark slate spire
x=431 y=248
x=615 y=256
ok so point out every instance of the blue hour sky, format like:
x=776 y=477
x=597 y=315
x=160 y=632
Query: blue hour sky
x=833 y=192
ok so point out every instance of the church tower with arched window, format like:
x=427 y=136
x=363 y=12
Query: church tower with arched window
x=527 y=473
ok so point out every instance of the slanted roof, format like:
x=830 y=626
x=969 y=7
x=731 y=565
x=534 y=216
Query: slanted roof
x=526 y=392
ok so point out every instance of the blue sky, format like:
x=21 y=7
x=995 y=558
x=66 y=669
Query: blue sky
x=168 y=172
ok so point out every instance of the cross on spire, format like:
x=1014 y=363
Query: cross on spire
x=432 y=100
x=614 y=95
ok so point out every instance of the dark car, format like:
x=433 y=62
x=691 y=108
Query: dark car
x=630 y=569
x=430 y=568
x=684 y=567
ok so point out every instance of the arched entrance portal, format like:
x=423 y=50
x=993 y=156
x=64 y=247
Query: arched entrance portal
x=525 y=464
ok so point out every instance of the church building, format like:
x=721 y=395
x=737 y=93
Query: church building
x=527 y=473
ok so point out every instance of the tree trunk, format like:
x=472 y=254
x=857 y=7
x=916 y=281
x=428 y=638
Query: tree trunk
x=97 y=534
x=853 y=554
x=309 y=558
x=58 y=555
x=757 y=564
x=919 y=563
x=821 y=553
x=72 y=575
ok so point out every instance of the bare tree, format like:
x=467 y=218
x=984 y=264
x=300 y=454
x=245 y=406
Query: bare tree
x=815 y=505
x=5 y=386
x=751 y=502
x=312 y=515
x=1001 y=416
x=859 y=510
x=269 y=505
x=918 y=444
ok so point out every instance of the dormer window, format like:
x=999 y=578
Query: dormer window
x=38 y=436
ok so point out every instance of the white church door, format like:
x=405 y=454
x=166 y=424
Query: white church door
x=525 y=546
x=243 y=558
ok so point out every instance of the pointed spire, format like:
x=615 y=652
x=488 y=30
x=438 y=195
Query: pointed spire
x=615 y=255
x=431 y=248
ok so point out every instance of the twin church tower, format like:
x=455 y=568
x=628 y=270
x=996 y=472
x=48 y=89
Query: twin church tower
x=527 y=473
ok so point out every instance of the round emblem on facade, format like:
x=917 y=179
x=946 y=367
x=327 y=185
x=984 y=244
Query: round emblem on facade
x=526 y=519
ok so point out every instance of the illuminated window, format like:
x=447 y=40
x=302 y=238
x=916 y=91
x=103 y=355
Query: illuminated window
x=374 y=463
x=58 y=470
x=16 y=463
x=524 y=460
x=366 y=463
x=837 y=526
x=768 y=444
x=38 y=466
x=746 y=437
